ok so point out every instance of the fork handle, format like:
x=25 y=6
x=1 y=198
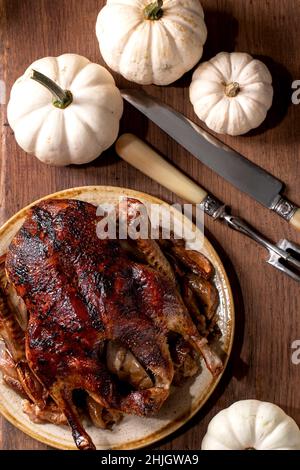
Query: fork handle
x=295 y=220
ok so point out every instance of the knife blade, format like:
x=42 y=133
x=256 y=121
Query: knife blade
x=226 y=162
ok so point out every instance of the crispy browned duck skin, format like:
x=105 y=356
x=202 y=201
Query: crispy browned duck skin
x=9 y=373
x=174 y=317
x=15 y=385
x=79 y=291
x=190 y=301
x=46 y=414
x=14 y=303
x=199 y=294
x=184 y=360
x=18 y=376
x=70 y=280
x=206 y=292
x=101 y=417
x=10 y=330
x=193 y=260
x=50 y=414
x=14 y=340
x=195 y=282
x=129 y=210
x=7 y=365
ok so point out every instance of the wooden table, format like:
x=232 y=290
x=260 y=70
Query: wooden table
x=267 y=302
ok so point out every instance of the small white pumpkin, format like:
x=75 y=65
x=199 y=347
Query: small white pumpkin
x=252 y=424
x=151 y=42
x=73 y=118
x=232 y=93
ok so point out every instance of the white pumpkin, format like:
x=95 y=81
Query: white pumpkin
x=151 y=42
x=79 y=123
x=232 y=93
x=252 y=424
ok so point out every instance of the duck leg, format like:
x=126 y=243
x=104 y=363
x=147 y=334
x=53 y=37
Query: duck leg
x=14 y=340
x=168 y=310
x=130 y=213
x=62 y=395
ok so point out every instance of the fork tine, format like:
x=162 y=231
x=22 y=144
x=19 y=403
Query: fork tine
x=279 y=256
x=287 y=245
x=274 y=260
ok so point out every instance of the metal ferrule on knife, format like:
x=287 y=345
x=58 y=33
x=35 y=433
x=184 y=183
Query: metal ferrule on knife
x=284 y=208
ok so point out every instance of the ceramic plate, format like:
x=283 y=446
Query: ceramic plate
x=133 y=432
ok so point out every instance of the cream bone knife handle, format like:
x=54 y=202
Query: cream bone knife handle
x=136 y=152
x=144 y=158
x=295 y=220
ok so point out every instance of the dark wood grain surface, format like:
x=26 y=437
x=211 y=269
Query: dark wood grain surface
x=267 y=303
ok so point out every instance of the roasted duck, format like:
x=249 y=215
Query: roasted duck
x=120 y=324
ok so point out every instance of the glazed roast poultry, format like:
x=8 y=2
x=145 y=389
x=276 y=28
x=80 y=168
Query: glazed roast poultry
x=113 y=320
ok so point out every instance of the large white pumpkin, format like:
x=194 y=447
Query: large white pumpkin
x=75 y=127
x=252 y=424
x=151 y=42
x=232 y=93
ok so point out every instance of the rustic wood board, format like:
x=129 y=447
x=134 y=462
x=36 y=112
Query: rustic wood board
x=267 y=303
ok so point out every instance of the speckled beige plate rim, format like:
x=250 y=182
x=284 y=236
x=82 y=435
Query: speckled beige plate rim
x=113 y=191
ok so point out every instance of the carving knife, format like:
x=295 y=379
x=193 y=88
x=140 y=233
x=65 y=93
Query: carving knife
x=283 y=256
x=226 y=162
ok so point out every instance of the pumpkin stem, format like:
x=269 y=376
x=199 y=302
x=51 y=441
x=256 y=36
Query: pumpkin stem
x=62 y=98
x=154 y=10
x=232 y=90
